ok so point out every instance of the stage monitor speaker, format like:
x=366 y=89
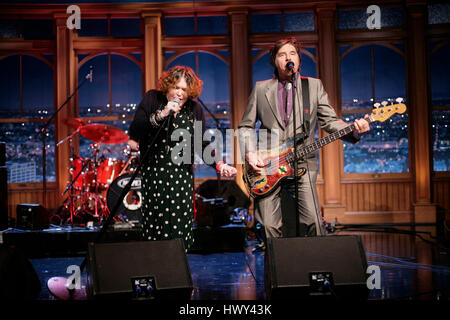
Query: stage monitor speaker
x=31 y=216
x=215 y=207
x=138 y=270
x=332 y=267
x=18 y=279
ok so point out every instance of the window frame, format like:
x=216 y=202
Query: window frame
x=371 y=177
x=441 y=43
x=51 y=185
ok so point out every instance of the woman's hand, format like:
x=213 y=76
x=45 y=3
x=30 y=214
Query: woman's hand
x=170 y=107
x=133 y=145
x=225 y=170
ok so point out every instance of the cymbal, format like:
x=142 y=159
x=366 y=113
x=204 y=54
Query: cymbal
x=103 y=133
x=74 y=123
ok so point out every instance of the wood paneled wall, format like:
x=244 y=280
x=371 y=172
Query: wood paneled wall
x=31 y=193
x=441 y=196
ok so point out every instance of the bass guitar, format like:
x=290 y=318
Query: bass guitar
x=279 y=163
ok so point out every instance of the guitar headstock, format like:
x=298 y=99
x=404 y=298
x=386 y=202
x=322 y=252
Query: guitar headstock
x=386 y=111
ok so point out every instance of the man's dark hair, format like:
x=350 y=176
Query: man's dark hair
x=276 y=47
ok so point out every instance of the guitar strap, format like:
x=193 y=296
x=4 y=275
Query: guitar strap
x=306 y=106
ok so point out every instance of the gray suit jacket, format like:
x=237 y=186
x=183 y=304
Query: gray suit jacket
x=263 y=106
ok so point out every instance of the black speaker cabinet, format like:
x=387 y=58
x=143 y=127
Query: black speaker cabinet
x=18 y=278
x=138 y=270
x=31 y=216
x=332 y=267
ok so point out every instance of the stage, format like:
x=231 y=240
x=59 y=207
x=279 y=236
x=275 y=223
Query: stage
x=231 y=266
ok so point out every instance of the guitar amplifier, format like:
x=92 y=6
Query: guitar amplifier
x=31 y=216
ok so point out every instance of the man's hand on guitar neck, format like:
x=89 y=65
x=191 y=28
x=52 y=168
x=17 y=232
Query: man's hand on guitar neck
x=255 y=162
x=361 y=125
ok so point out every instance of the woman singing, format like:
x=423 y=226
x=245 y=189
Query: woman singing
x=167 y=184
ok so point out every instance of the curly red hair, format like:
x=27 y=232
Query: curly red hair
x=169 y=79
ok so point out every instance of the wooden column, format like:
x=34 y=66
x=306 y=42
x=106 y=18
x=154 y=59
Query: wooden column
x=240 y=77
x=328 y=60
x=419 y=113
x=424 y=210
x=64 y=86
x=152 y=49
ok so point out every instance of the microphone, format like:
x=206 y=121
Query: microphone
x=90 y=75
x=290 y=66
x=177 y=101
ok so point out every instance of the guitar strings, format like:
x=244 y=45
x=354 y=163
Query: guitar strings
x=301 y=152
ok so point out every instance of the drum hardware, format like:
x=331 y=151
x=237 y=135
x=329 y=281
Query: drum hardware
x=90 y=178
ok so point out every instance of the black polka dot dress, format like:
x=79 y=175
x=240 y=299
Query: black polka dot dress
x=167 y=185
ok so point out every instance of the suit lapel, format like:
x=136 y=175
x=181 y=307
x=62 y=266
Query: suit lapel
x=272 y=99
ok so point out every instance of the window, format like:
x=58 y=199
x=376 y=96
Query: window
x=26 y=102
x=440 y=99
x=111 y=98
x=357 y=18
x=264 y=23
x=282 y=22
x=373 y=74
x=438 y=13
x=195 y=25
x=213 y=71
x=299 y=21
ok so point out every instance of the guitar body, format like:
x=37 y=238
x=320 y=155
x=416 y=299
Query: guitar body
x=276 y=171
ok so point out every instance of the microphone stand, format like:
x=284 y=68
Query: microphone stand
x=219 y=126
x=43 y=132
x=297 y=216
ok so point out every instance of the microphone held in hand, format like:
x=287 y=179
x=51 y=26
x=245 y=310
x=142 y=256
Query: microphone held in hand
x=177 y=101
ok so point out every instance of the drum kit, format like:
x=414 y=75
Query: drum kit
x=97 y=181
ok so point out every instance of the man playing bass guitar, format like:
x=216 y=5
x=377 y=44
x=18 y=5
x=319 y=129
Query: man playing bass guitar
x=271 y=102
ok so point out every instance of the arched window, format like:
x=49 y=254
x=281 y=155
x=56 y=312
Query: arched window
x=440 y=99
x=373 y=74
x=26 y=101
x=110 y=99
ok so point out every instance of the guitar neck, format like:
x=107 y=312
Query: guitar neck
x=302 y=151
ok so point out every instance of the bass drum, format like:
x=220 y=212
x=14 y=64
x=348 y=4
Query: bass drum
x=130 y=208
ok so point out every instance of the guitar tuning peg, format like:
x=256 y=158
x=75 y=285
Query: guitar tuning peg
x=399 y=100
x=384 y=103
x=376 y=105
